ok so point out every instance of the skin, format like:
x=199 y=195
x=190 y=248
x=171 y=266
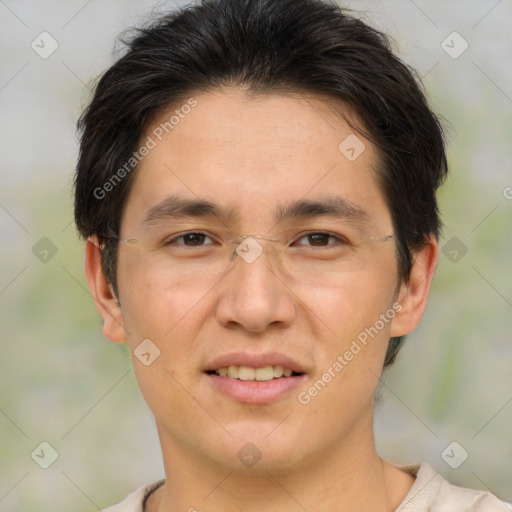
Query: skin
x=251 y=153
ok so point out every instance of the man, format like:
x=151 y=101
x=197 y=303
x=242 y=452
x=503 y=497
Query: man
x=257 y=187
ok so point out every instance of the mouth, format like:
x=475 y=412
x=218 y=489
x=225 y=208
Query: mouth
x=248 y=373
x=256 y=379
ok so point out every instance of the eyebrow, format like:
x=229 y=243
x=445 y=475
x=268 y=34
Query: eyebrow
x=335 y=207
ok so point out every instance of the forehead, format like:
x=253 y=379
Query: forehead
x=250 y=153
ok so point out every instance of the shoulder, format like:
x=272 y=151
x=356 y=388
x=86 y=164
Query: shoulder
x=134 y=502
x=433 y=493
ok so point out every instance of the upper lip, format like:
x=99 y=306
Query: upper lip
x=255 y=361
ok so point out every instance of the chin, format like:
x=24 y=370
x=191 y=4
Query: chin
x=258 y=452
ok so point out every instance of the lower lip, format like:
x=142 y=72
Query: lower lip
x=253 y=391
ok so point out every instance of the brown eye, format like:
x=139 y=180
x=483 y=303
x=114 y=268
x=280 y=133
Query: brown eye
x=191 y=239
x=321 y=239
x=194 y=238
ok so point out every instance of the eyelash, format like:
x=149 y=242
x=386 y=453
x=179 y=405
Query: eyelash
x=340 y=239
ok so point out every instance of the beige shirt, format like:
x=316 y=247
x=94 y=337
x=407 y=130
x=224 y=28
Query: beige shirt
x=429 y=493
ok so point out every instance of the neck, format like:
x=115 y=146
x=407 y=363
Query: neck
x=349 y=476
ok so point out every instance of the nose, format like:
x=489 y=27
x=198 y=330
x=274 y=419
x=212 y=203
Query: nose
x=254 y=294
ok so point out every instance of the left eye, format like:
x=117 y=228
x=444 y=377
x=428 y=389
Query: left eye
x=321 y=239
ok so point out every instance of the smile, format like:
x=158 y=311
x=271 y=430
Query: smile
x=248 y=373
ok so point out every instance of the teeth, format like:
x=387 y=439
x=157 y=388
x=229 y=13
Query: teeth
x=233 y=371
x=249 y=373
x=278 y=371
x=266 y=373
x=246 y=373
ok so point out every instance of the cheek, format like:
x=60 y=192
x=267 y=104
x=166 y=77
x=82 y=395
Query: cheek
x=155 y=310
x=154 y=302
x=352 y=303
x=350 y=360
x=351 y=328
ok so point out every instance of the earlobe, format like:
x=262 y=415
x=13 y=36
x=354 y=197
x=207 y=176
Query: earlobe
x=104 y=298
x=414 y=294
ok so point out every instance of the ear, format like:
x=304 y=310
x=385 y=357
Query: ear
x=103 y=293
x=413 y=295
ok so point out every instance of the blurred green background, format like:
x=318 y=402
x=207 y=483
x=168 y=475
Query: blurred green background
x=63 y=383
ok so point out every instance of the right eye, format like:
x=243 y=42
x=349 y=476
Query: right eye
x=190 y=239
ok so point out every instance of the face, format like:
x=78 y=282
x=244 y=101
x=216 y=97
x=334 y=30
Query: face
x=251 y=155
